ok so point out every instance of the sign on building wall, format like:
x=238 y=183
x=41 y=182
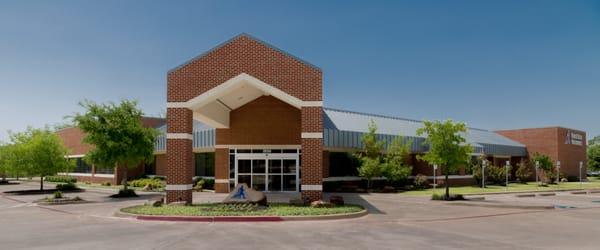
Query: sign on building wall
x=574 y=138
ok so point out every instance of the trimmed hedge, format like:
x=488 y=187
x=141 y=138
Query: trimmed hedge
x=61 y=178
x=69 y=186
x=152 y=183
x=205 y=184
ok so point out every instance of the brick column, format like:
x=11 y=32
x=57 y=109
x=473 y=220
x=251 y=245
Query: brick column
x=180 y=157
x=222 y=170
x=312 y=153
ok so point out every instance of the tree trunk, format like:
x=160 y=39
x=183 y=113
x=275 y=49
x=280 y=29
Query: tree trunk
x=41 y=183
x=447 y=187
x=124 y=182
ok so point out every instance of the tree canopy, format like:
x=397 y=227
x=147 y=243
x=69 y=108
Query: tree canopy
x=447 y=146
x=593 y=155
x=374 y=163
x=117 y=134
x=38 y=152
x=544 y=160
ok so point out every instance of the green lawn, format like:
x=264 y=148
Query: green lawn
x=594 y=182
x=217 y=209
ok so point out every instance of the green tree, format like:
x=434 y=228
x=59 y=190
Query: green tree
x=117 y=134
x=394 y=167
x=39 y=152
x=447 y=146
x=594 y=141
x=546 y=166
x=593 y=155
x=370 y=156
x=5 y=158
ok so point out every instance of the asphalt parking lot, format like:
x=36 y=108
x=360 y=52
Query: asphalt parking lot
x=395 y=221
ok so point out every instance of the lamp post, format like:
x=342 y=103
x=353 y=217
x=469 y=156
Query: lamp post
x=483 y=166
x=557 y=172
x=507 y=166
x=580 y=168
x=435 y=167
x=537 y=167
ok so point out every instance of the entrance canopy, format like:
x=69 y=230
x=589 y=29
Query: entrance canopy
x=213 y=106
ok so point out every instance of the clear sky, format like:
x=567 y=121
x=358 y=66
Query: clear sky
x=493 y=64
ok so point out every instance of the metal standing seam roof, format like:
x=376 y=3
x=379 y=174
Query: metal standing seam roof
x=342 y=120
x=344 y=129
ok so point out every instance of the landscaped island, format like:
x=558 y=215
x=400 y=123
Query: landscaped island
x=220 y=209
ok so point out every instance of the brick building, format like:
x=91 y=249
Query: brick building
x=247 y=112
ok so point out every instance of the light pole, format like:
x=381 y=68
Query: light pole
x=435 y=166
x=483 y=166
x=537 y=167
x=580 y=180
x=557 y=172
x=507 y=166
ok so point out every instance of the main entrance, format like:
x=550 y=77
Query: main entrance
x=268 y=170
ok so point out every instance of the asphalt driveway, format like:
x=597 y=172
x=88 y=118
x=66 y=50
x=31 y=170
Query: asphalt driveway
x=395 y=222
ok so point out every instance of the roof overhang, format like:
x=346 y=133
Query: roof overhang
x=213 y=106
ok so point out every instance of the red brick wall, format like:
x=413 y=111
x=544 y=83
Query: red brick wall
x=570 y=155
x=264 y=121
x=551 y=142
x=180 y=158
x=312 y=152
x=96 y=179
x=222 y=169
x=245 y=55
x=325 y=164
x=161 y=164
x=72 y=138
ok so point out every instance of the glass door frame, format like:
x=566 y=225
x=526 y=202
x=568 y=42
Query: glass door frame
x=266 y=157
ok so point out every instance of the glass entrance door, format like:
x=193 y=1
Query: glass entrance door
x=268 y=172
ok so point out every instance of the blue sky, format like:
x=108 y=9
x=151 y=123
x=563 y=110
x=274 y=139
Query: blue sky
x=492 y=64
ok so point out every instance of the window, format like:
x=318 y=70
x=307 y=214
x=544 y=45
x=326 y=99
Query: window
x=105 y=170
x=82 y=167
x=343 y=164
x=204 y=164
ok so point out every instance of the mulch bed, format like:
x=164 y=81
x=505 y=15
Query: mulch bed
x=61 y=201
x=9 y=183
x=45 y=191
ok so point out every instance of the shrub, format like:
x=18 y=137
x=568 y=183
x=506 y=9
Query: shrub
x=199 y=186
x=497 y=175
x=57 y=195
x=477 y=173
x=550 y=177
x=524 y=172
x=106 y=183
x=69 y=186
x=60 y=178
x=420 y=182
x=124 y=193
x=204 y=184
x=152 y=183
x=454 y=197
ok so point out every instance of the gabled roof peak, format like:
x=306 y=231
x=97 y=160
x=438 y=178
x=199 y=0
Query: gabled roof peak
x=246 y=35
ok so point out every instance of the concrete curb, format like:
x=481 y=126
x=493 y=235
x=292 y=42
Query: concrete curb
x=592 y=190
x=491 y=205
x=175 y=218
